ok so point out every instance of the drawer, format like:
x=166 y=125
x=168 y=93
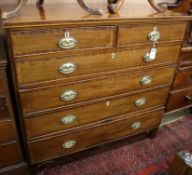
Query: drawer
x=2 y=82
x=179 y=99
x=57 y=66
x=65 y=94
x=186 y=58
x=138 y=33
x=6 y=131
x=9 y=155
x=66 y=144
x=183 y=79
x=4 y=112
x=70 y=38
x=66 y=119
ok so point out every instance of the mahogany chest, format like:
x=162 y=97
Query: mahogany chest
x=82 y=81
x=11 y=159
x=180 y=96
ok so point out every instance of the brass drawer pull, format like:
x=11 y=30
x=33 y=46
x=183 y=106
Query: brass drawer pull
x=140 y=102
x=69 y=144
x=67 y=68
x=136 y=125
x=155 y=35
x=188 y=97
x=68 y=95
x=69 y=119
x=146 y=80
x=67 y=42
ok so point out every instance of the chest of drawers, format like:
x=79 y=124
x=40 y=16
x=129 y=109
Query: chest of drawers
x=82 y=82
x=180 y=96
x=11 y=160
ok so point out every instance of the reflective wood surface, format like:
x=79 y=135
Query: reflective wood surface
x=69 y=12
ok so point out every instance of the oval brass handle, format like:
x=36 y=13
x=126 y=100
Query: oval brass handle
x=69 y=119
x=136 y=125
x=188 y=97
x=154 y=35
x=67 y=68
x=69 y=144
x=67 y=42
x=146 y=80
x=140 y=102
x=68 y=95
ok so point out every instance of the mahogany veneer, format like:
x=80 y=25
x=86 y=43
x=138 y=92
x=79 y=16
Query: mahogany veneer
x=10 y=150
x=82 y=81
x=181 y=96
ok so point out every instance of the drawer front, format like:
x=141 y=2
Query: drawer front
x=57 y=66
x=4 y=112
x=9 y=155
x=57 y=96
x=2 y=82
x=79 y=38
x=186 y=59
x=179 y=100
x=6 y=131
x=83 y=139
x=136 y=34
x=66 y=119
x=183 y=79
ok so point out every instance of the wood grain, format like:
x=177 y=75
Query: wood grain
x=49 y=97
x=183 y=79
x=4 y=111
x=134 y=34
x=93 y=136
x=2 y=82
x=93 y=37
x=7 y=133
x=179 y=99
x=39 y=125
x=46 y=66
x=9 y=155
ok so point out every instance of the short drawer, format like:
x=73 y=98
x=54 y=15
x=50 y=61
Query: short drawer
x=40 y=68
x=66 y=144
x=4 y=112
x=138 y=33
x=9 y=155
x=67 y=119
x=179 y=99
x=62 y=39
x=183 y=79
x=6 y=131
x=35 y=100
x=2 y=82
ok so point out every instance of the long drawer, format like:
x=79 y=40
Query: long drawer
x=48 y=40
x=9 y=154
x=179 y=99
x=65 y=94
x=66 y=144
x=67 y=119
x=138 y=33
x=39 y=68
x=6 y=131
x=183 y=79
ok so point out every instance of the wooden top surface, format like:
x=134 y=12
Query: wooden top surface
x=63 y=12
